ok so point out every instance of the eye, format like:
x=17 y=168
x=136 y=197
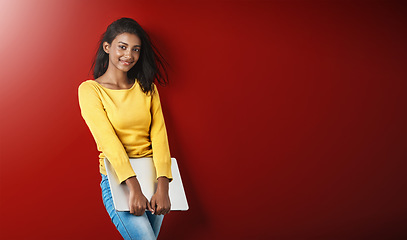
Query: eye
x=122 y=47
x=137 y=49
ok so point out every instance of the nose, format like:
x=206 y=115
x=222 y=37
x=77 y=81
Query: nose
x=127 y=53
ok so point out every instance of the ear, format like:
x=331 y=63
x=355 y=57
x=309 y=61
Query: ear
x=106 y=47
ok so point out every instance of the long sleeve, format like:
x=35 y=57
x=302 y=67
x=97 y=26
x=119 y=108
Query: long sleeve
x=95 y=116
x=158 y=134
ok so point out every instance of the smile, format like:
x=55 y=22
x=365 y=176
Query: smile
x=127 y=63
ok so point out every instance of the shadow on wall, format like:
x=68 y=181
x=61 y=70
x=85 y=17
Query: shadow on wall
x=196 y=218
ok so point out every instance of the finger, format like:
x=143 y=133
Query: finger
x=150 y=208
x=165 y=211
x=140 y=210
x=160 y=210
x=131 y=209
x=136 y=211
x=153 y=205
x=168 y=210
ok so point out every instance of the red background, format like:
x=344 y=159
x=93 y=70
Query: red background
x=287 y=118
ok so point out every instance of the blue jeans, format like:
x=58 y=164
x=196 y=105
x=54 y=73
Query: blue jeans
x=145 y=227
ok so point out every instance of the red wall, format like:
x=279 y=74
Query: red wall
x=288 y=118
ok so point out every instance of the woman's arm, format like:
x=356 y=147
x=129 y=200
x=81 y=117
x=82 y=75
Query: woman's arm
x=160 y=201
x=95 y=116
x=159 y=140
x=138 y=203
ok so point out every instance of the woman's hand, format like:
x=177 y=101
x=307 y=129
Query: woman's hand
x=138 y=203
x=160 y=202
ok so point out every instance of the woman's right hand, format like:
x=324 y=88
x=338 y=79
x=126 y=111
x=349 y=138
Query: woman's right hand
x=138 y=203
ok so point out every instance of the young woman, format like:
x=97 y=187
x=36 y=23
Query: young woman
x=122 y=109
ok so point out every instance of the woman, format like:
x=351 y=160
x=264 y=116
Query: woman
x=123 y=112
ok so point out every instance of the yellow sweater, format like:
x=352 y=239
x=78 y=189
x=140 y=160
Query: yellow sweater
x=125 y=123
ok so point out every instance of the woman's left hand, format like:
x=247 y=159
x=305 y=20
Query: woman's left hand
x=160 y=201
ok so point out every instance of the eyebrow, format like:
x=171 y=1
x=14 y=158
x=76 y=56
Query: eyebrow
x=128 y=44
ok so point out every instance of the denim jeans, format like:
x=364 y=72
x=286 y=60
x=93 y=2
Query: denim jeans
x=145 y=227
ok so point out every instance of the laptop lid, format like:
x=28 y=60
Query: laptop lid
x=146 y=175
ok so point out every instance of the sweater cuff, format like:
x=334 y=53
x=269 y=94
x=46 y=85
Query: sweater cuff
x=164 y=170
x=123 y=173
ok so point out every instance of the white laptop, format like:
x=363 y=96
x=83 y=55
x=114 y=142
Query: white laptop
x=146 y=175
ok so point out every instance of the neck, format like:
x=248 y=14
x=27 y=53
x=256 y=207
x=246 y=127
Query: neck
x=117 y=77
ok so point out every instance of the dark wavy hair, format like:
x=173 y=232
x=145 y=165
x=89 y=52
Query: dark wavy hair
x=150 y=66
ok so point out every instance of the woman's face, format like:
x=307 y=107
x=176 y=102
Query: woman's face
x=124 y=51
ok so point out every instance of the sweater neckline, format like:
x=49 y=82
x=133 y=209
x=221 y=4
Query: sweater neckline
x=126 y=89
